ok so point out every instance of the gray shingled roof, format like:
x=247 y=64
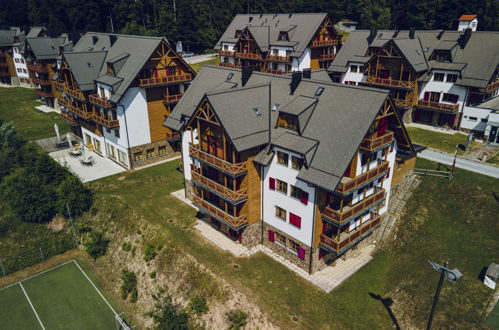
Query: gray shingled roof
x=7 y=37
x=85 y=67
x=300 y=27
x=340 y=120
x=476 y=61
x=46 y=48
x=35 y=31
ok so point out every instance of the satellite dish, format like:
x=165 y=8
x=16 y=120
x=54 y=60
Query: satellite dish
x=179 y=46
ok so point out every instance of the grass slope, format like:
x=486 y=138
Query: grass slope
x=438 y=141
x=197 y=66
x=18 y=104
x=15 y=312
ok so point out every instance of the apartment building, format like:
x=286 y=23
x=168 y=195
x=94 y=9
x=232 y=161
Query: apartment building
x=117 y=90
x=279 y=43
x=433 y=76
x=8 y=41
x=43 y=56
x=305 y=167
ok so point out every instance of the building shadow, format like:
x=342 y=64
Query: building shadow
x=387 y=302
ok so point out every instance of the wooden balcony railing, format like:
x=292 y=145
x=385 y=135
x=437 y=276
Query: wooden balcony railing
x=40 y=81
x=402 y=103
x=4 y=74
x=43 y=93
x=4 y=64
x=438 y=106
x=172 y=98
x=274 y=71
x=37 y=68
x=286 y=59
x=233 y=221
x=232 y=169
x=228 y=65
x=165 y=80
x=70 y=91
x=340 y=216
x=371 y=144
x=327 y=57
x=322 y=43
x=347 y=239
x=249 y=55
x=80 y=112
x=100 y=101
x=226 y=53
x=70 y=119
x=348 y=184
x=233 y=195
x=105 y=121
x=391 y=82
x=490 y=87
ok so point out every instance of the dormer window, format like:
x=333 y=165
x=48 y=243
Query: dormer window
x=283 y=36
x=441 y=56
x=288 y=121
x=296 y=162
x=237 y=34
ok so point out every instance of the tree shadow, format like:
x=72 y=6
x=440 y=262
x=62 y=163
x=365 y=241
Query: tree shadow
x=387 y=302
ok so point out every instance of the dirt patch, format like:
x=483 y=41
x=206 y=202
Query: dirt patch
x=170 y=220
x=57 y=224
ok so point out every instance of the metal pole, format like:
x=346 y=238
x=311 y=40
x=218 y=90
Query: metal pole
x=3 y=270
x=437 y=294
x=454 y=162
x=72 y=226
x=41 y=252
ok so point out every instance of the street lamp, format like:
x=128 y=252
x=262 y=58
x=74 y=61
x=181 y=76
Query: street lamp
x=451 y=275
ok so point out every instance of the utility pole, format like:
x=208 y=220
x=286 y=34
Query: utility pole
x=174 y=12
x=111 y=19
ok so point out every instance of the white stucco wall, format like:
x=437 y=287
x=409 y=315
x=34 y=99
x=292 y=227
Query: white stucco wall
x=463 y=25
x=20 y=64
x=187 y=160
x=271 y=198
x=303 y=62
x=353 y=76
x=444 y=87
x=137 y=118
x=469 y=113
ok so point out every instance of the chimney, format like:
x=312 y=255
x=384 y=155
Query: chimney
x=307 y=73
x=465 y=37
x=112 y=39
x=396 y=34
x=372 y=35
x=246 y=74
x=94 y=40
x=411 y=33
x=440 y=34
x=295 y=80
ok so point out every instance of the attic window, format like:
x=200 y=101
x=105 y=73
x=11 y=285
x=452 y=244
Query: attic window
x=275 y=107
x=257 y=112
x=380 y=35
x=319 y=91
x=229 y=77
x=283 y=36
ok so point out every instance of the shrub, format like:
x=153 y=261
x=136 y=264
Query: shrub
x=129 y=285
x=168 y=315
x=237 y=319
x=150 y=251
x=26 y=202
x=152 y=274
x=71 y=192
x=126 y=247
x=198 y=305
x=10 y=149
x=96 y=244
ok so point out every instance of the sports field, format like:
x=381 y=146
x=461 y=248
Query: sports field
x=62 y=297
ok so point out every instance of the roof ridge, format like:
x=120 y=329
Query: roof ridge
x=125 y=35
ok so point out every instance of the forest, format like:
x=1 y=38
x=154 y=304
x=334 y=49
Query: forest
x=199 y=23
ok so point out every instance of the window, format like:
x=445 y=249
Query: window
x=295 y=220
x=295 y=192
x=483 y=120
x=473 y=119
x=319 y=91
x=293 y=245
x=280 y=213
x=121 y=157
x=450 y=98
x=451 y=77
x=282 y=158
x=117 y=132
x=283 y=36
x=280 y=239
x=282 y=186
x=162 y=150
x=354 y=68
x=139 y=156
x=438 y=76
x=110 y=151
x=150 y=153
x=296 y=162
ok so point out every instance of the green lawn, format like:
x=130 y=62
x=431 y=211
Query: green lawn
x=17 y=105
x=494 y=160
x=197 y=66
x=438 y=141
x=446 y=220
x=63 y=299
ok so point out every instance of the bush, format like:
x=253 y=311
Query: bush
x=168 y=315
x=152 y=274
x=126 y=247
x=96 y=244
x=198 y=305
x=71 y=192
x=150 y=251
x=29 y=198
x=129 y=285
x=237 y=319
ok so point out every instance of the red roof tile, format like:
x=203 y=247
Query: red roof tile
x=467 y=17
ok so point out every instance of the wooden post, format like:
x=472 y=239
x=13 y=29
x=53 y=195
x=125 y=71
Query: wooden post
x=199 y=135
x=401 y=70
x=225 y=147
x=192 y=135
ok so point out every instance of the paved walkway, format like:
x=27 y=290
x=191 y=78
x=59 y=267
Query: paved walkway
x=433 y=128
x=47 y=109
x=199 y=58
x=462 y=163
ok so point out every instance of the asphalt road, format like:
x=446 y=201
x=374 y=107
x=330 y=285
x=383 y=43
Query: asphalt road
x=465 y=164
x=199 y=58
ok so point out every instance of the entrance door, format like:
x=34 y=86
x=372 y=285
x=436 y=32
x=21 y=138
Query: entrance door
x=493 y=134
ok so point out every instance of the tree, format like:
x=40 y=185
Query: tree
x=10 y=149
x=375 y=14
x=169 y=315
x=96 y=245
x=71 y=192
x=28 y=196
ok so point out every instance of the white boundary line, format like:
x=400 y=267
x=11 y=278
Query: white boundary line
x=96 y=289
x=33 y=308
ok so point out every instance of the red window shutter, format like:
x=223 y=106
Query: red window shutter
x=304 y=197
x=426 y=96
x=301 y=253
x=382 y=127
x=271 y=183
x=295 y=220
x=271 y=236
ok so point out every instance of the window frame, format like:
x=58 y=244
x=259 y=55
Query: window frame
x=439 y=74
x=281 y=186
x=280 y=213
x=285 y=157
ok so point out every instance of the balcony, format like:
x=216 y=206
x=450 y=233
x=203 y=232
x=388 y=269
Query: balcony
x=348 y=184
x=106 y=122
x=327 y=57
x=37 y=68
x=168 y=99
x=347 y=239
x=324 y=43
x=274 y=71
x=371 y=144
x=452 y=108
x=402 y=103
x=70 y=119
x=40 y=81
x=4 y=74
x=231 y=169
x=348 y=212
x=151 y=82
x=233 y=195
x=251 y=56
x=228 y=65
x=390 y=82
x=235 y=222
x=274 y=58
x=43 y=93
x=100 y=101
x=4 y=64
x=490 y=87
x=70 y=91
x=226 y=53
x=80 y=112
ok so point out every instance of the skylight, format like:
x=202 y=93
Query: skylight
x=229 y=77
x=319 y=91
x=275 y=107
x=257 y=111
